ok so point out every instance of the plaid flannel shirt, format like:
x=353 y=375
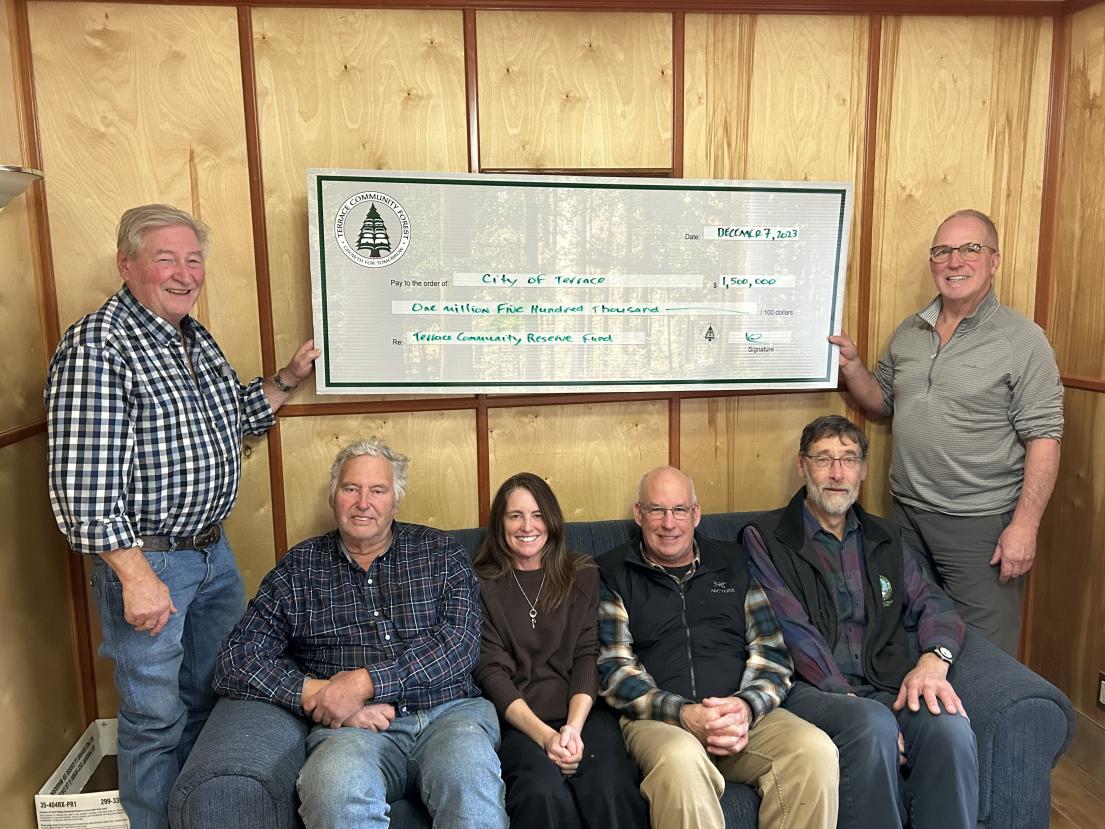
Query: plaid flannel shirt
x=412 y=620
x=926 y=610
x=138 y=444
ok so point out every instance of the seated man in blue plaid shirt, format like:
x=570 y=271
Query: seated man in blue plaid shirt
x=872 y=640
x=373 y=630
x=146 y=419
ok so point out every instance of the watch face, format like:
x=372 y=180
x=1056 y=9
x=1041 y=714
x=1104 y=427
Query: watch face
x=943 y=653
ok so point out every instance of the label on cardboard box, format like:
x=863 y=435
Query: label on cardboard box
x=60 y=803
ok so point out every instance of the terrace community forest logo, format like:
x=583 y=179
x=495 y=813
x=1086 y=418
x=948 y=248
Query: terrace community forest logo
x=372 y=229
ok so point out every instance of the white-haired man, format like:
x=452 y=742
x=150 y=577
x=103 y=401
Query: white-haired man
x=146 y=419
x=373 y=630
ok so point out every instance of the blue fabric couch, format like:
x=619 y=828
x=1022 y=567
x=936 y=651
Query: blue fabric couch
x=242 y=772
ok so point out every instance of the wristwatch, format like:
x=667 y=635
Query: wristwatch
x=280 y=384
x=942 y=653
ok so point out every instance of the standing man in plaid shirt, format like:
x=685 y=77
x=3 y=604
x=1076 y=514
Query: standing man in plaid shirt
x=146 y=419
x=690 y=654
x=373 y=630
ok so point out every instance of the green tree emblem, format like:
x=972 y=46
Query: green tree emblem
x=374 y=234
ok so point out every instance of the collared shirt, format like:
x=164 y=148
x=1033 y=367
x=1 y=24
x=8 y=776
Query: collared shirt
x=631 y=688
x=138 y=443
x=841 y=562
x=412 y=620
x=963 y=411
x=925 y=609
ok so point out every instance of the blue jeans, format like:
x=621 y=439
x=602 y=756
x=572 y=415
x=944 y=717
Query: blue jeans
x=938 y=785
x=446 y=756
x=164 y=681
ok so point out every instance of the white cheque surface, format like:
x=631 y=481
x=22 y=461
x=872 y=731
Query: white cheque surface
x=454 y=283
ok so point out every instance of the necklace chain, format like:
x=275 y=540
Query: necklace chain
x=533 y=604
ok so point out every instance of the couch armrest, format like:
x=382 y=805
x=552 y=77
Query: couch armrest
x=1022 y=724
x=242 y=770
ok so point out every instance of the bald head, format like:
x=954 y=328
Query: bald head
x=667 y=513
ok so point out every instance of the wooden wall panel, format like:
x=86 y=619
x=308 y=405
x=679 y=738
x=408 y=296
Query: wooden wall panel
x=21 y=358
x=1077 y=324
x=574 y=90
x=347 y=88
x=769 y=97
x=1068 y=634
x=962 y=123
x=39 y=698
x=593 y=456
x=142 y=104
x=741 y=450
x=441 y=480
x=778 y=97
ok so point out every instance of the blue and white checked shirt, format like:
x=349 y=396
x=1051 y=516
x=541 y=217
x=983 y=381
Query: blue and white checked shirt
x=412 y=620
x=137 y=444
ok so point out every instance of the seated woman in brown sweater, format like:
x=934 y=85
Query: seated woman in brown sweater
x=564 y=762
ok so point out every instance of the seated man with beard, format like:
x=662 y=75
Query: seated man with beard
x=872 y=639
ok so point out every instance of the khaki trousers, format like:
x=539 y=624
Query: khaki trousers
x=792 y=764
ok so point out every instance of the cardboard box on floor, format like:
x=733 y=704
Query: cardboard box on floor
x=63 y=804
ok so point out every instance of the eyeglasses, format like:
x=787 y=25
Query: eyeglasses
x=848 y=462
x=968 y=252
x=656 y=513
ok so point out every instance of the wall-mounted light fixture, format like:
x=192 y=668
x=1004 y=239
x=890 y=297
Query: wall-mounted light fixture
x=14 y=180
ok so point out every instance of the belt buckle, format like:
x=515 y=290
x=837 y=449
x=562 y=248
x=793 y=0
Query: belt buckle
x=205 y=537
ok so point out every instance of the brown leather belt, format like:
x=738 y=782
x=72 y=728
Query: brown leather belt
x=167 y=543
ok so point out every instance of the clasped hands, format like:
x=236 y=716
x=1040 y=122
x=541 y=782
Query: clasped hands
x=564 y=748
x=720 y=723
x=345 y=699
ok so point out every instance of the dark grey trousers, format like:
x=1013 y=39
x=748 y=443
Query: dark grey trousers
x=957 y=549
x=937 y=787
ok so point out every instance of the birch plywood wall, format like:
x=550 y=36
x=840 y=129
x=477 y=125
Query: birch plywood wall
x=769 y=97
x=353 y=89
x=1067 y=638
x=221 y=111
x=40 y=692
x=961 y=123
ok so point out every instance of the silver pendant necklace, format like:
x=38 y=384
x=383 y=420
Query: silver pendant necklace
x=533 y=604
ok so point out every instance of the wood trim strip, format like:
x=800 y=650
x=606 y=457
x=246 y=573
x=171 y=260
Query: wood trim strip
x=1073 y=6
x=1049 y=225
x=678 y=57
x=276 y=484
x=867 y=194
x=987 y=8
x=19 y=433
x=261 y=265
x=38 y=216
x=46 y=286
x=360 y=407
x=472 y=90
x=1083 y=383
x=867 y=183
x=1053 y=153
x=675 y=430
x=483 y=460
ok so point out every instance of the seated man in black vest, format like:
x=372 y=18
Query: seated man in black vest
x=872 y=639
x=691 y=656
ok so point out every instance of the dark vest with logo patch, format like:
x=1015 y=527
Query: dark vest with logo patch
x=887 y=655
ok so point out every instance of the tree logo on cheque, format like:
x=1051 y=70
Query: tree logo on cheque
x=372 y=229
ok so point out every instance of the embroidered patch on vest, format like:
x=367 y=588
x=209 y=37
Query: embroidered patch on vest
x=887 y=591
